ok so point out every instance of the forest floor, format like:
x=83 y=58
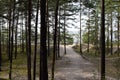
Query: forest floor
x=73 y=67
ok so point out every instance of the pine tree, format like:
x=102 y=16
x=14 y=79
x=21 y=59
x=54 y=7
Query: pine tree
x=29 y=40
x=55 y=39
x=0 y=48
x=35 y=49
x=43 y=47
x=102 y=40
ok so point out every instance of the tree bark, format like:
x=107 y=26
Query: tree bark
x=35 y=49
x=55 y=39
x=102 y=40
x=59 y=36
x=80 y=30
x=16 y=29
x=12 y=12
x=88 y=32
x=108 y=38
x=22 y=36
x=0 y=49
x=29 y=39
x=43 y=47
x=64 y=31
x=118 y=35
x=48 y=29
x=111 y=36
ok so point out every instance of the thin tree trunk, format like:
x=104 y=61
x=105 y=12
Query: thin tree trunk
x=10 y=12
x=11 y=35
x=96 y=34
x=55 y=37
x=35 y=49
x=102 y=40
x=88 y=33
x=43 y=47
x=2 y=36
x=59 y=36
x=16 y=29
x=80 y=30
x=8 y=42
x=29 y=39
x=0 y=49
x=111 y=35
x=64 y=31
x=108 y=39
x=118 y=34
x=26 y=31
x=48 y=29
x=22 y=34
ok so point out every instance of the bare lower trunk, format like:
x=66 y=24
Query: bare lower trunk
x=0 y=49
x=43 y=47
x=55 y=39
x=29 y=40
x=102 y=40
x=35 y=50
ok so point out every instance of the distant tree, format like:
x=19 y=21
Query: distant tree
x=108 y=33
x=118 y=24
x=64 y=29
x=58 y=45
x=111 y=24
x=80 y=28
x=22 y=34
x=88 y=30
x=16 y=33
x=48 y=27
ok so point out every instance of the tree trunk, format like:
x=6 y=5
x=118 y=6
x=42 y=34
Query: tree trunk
x=11 y=35
x=102 y=40
x=16 y=29
x=80 y=30
x=8 y=42
x=59 y=36
x=111 y=36
x=88 y=33
x=48 y=29
x=108 y=38
x=118 y=35
x=43 y=47
x=55 y=37
x=29 y=39
x=0 y=49
x=96 y=34
x=64 y=31
x=35 y=49
x=22 y=36
x=26 y=31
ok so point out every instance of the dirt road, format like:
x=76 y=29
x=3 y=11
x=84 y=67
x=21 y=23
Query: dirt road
x=73 y=67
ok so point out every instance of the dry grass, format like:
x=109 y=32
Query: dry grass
x=112 y=61
x=19 y=66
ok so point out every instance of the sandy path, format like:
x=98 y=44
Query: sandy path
x=73 y=67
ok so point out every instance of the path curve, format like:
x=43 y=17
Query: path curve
x=73 y=67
